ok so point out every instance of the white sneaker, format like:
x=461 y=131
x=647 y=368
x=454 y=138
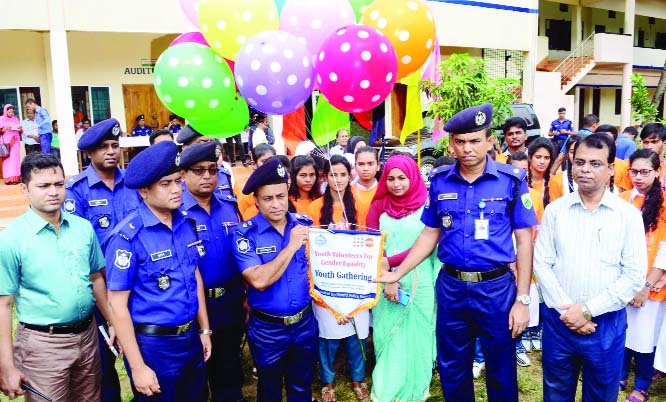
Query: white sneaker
x=536 y=343
x=522 y=359
x=477 y=368
x=527 y=344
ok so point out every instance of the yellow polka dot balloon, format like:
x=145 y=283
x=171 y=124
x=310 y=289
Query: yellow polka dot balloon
x=408 y=25
x=228 y=24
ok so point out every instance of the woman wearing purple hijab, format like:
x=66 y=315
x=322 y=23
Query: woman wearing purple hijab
x=10 y=128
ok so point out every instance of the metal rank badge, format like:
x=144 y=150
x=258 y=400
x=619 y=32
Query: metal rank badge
x=103 y=222
x=201 y=249
x=447 y=221
x=163 y=282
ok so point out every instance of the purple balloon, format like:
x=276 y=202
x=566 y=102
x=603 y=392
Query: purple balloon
x=194 y=37
x=274 y=72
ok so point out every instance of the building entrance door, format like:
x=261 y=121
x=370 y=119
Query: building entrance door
x=142 y=99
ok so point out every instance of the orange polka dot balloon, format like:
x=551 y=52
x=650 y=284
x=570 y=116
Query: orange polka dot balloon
x=409 y=26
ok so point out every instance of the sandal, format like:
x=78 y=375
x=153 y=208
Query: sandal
x=361 y=393
x=328 y=394
x=634 y=398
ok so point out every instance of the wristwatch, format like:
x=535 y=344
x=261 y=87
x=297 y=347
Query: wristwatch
x=586 y=312
x=524 y=299
x=648 y=284
x=206 y=331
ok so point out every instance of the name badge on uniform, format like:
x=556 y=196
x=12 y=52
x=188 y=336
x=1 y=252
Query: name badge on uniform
x=163 y=282
x=201 y=228
x=223 y=187
x=447 y=196
x=160 y=255
x=104 y=222
x=98 y=203
x=481 y=229
x=266 y=250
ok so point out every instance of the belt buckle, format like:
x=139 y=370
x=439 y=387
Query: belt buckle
x=293 y=319
x=219 y=292
x=470 y=276
x=183 y=328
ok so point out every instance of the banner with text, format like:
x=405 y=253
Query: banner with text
x=342 y=265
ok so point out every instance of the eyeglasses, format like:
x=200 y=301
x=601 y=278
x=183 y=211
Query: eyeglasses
x=642 y=172
x=580 y=163
x=199 y=171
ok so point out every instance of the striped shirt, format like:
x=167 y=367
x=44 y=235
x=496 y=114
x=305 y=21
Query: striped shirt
x=593 y=257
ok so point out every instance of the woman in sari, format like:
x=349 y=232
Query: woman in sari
x=404 y=335
x=10 y=128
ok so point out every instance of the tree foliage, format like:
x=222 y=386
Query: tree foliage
x=642 y=109
x=465 y=83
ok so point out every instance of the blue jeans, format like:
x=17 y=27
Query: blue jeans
x=644 y=368
x=599 y=355
x=45 y=142
x=328 y=348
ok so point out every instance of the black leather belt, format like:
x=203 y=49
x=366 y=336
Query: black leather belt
x=288 y=320
x=480 y=276
x=148 y=329
x=75 y=328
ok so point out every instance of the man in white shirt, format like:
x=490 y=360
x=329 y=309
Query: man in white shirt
x=30 y=134
x=341 y=139
x=590 y=259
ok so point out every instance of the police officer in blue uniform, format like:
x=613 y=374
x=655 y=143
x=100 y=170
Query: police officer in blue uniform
x=155 y=288
x=141 y=129
x=99 y=195
x=269 y=249
x=216 y=221
x=189 y=136
x=473 y=209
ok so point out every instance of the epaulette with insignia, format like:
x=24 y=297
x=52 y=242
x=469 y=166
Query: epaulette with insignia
x=245 y=227
x=304 y=219
x=438 y=170
x=69 y=183
x=224 y=170
x=129 y=227
x=512 y=171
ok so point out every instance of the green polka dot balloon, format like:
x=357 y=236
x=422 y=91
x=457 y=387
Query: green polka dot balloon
x=227 y=125
x=193 y=81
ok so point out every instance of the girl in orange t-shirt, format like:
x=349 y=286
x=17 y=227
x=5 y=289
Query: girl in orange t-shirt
x=541 y=157
x=327 y=212
x=646 y=310
x=304 y=186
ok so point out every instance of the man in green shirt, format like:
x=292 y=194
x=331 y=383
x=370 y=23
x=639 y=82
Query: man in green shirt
x=55 y=140
x=52 y=268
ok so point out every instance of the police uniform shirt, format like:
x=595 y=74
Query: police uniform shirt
x=90 y=198
x=453 y=205
x=558 y=125
x=139 y=131
x=217 y=265
x=257 y=242
x=174 y=129
x=224 y=188
x=157 y=265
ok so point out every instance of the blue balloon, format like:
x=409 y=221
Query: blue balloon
x=280 y=4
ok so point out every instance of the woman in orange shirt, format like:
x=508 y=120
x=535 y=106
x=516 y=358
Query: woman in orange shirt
x=564 y=178
x=645 y=312
x=327 y=212
x=304 y=186
x=540 y=155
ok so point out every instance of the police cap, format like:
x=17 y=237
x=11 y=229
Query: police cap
x=152 y=164
x=271 y=172
x=475 y=118
x=140 y=117
x=203 y=151
x=108 y=129
x=187 y=135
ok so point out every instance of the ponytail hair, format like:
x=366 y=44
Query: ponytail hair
x=348 y=203
x=571 y=142
x=652 y=207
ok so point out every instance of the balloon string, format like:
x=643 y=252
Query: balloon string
x=337 y=189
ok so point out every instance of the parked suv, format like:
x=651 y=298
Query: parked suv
x=523 y=110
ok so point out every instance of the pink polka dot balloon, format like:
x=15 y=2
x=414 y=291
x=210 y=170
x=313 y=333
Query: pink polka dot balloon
x=356 y=68
x=274 y=72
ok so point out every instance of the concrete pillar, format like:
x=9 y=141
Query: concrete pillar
x=530 y=63
x=625 y=110
x=576 y=26
x=61 y=86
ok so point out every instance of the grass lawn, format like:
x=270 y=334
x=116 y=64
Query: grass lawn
x=529 y=382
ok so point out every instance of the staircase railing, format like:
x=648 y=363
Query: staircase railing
x=575 y=61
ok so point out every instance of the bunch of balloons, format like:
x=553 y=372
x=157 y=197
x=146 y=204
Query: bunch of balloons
x=272 y=54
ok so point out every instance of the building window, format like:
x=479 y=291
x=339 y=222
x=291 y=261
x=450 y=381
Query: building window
x=559 y=34
x=611 y=14
x=618 y=101
x=93 y=102
x=599 y=28
x=564 y=8
x=17 y=97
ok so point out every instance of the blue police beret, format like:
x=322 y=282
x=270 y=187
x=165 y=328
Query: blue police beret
x=152 y=164
x=108 y=129
x=187 y=134
x=271 y=172
x=203 y=151
x=475 y=118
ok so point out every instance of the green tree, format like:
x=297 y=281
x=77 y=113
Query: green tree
x=465 y=83
x=642 y=109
